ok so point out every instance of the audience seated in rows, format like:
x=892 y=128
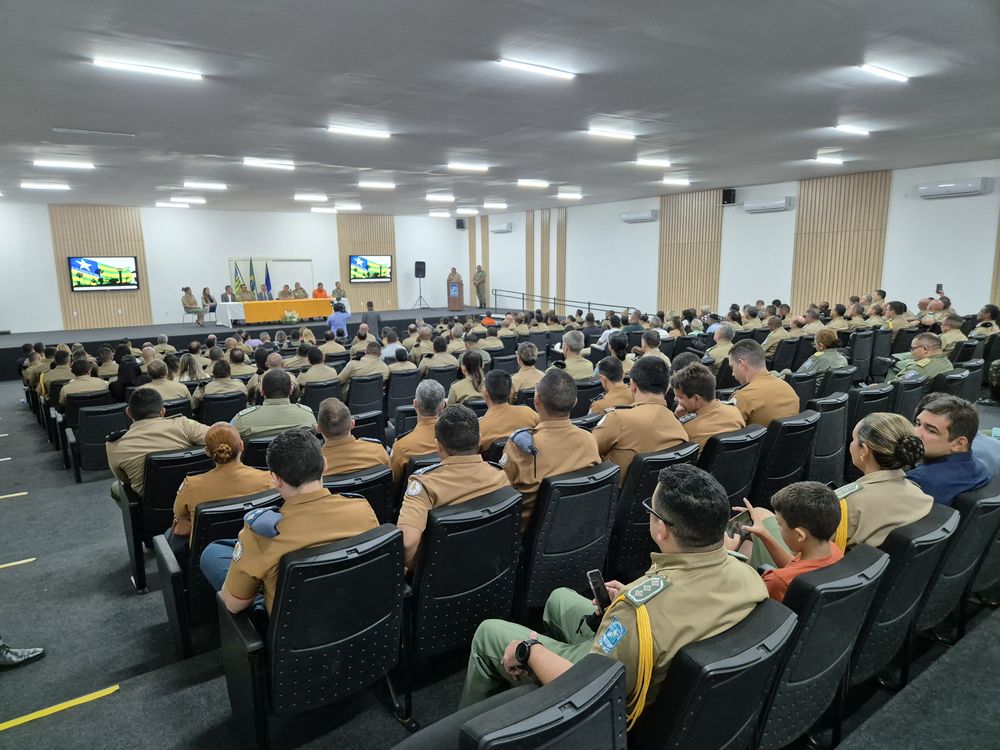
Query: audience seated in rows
x=472 y=383
x=763 y=397
x=370 y=364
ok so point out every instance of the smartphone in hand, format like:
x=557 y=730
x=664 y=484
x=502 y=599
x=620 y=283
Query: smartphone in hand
x=600 y=591
x=736 y=524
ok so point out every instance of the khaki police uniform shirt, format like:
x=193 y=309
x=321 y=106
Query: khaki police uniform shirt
x=479 y=329
x=419 y=442
x=896 y=325
x=875 y=321
x=491 y=344
x=58 y=374
x=500 y=420
x=253 y=385
x=454 y=480
x=482 y=353
x=811 y=329
x=949 y=339
x=402 y=367
x=794 y=333
x=228 y=480
x=332 y=347
x=358 y=346
x=286 y=294
x=32 y=374
x=455 y=346
x=242 y=369
x=929 y=367
x=82 y=384
x=689 y=597
x=646 y=426
x=766 y=398
x=618 y=394
x=506 y=333
x=752 y=324
x=218 y=386
x=294 y=362
x=653 y=353
x=878 y=503
x=988 y=328
x=107 y=369
x=838 y=324
x=562 y=447
x=170 y=390
x=522 y=329
x=713 y=418
x=577 y=368
x=300 y=294
x=771 y=342
x=127 y=455
x=274 y=416
x=318 y=374
x=720 y=353
x=162 y=349
x=409 y=341
x=856 y=322
x=367 y=365
x=526 y=377
x=345 y=455
x=462 y=390
x=310 y=519
x=421 y=348
x=441 y=359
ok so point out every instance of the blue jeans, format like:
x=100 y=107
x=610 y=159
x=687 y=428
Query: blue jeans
x=215 y=561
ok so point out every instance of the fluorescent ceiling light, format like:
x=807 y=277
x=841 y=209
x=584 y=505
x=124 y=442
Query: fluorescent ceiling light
x=619 y=134
x=441 y=197
x=883 y=73
x=376 y=185
x=461 y=166
x=569 y=195
x=63 y=164
x=197 y=199
x=149 y=69
x=84 y=131
x=466 y=211
x=495 y=205
x=649 y=161
x=439 y=213
x=348 y=206
x=532 y=183
x=197 y=185
x=323 y=210
x=539 y=69
x=676 y=181
x=1 y=195
x=253 y=161
x=829 y=160
x=32 y=185
x=311 y=197
x=852 y=129
x=362 y=132
x=168 y=204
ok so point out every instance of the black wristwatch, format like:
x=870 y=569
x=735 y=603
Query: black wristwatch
x=523 y=651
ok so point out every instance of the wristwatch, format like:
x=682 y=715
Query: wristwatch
x=523 y=651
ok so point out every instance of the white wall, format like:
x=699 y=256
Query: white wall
x=191 y=248
x=757 y=249
x=31 y=294
x=951 y=241
x=507 y=258
x=440 y=246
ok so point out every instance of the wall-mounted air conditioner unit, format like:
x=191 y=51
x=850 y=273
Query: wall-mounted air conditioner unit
x=955 y=188
x=503 y=228
x=767 y=205
x=640 y=217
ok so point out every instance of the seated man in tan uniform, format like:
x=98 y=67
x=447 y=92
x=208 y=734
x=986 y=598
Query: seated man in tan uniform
x=370 y=364
x=440 y=358
x=649 y=346
x=555 y=446
x=277 y=413
x=701 y=413
x=330 y=344
x=528 y=375
x=428 y=402
x=82 y=381
x=221 y=382
x=424 y=345
x=575 y=365
x=401 y=362
x=501 y=418
x=309 y=516
x=238 y=364
x=273 y=362
x=317 y=372
x=344 y=453
x=763 y=397
x=462 y=475
x=723 y=344
x=646 y=425
x=616 y=393
x=169 y=390
x=951 y=333
x=777 y=335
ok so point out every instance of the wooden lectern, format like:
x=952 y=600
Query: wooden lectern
x=456 y=295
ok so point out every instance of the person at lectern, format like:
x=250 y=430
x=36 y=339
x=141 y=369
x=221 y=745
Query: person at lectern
x=454 y=276
x=479 y=281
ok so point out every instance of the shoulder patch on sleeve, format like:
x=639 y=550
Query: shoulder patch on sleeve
x=414 y=488
x=524 y=440
x=646 y=590
x=237 y=551
x=688 y=417
x=612 y=634
x=847 y=489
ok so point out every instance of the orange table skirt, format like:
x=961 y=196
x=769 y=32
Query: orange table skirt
x=268 y=312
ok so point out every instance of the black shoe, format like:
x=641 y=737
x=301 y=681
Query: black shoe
x=15 y=657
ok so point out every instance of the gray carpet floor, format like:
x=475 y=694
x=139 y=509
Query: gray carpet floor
x=77 y=601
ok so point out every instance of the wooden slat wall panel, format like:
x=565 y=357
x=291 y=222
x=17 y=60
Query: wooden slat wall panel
x=690 y=249
x=484 y=251
x=529 y=256
x=470 y=289
x=839 y=237
x=359 y=234
x=101 y=231
x=561 y=257
x=546 y=247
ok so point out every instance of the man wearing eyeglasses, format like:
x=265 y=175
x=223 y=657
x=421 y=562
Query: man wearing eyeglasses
x=926 y=358
x=693 y=590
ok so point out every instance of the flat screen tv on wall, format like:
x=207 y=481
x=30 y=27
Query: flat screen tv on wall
x=97 y=274
x=370 y=268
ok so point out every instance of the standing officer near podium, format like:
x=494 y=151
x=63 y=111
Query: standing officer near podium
x=479 y=281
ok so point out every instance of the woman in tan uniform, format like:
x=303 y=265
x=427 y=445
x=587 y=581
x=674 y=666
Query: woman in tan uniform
x=192 y=307
x=473 y=384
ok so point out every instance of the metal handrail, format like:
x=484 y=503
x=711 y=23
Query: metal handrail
x=538 y=300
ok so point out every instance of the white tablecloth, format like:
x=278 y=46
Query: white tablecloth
x=227 y=312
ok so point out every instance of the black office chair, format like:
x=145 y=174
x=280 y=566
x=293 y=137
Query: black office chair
x=732 y=457
x=906 y=395
x=914 y=550
x=370 y=424
x=963 y=351
x=634 y=339
x=374 y=484
x=401 y=389
x=831 y=604
x=506 y=363
x=86 y=443
x=313 y=394
x=760 y=334
x=477 y=405
x=586 y=391
x=405 y=419
x=804 y=384
x=631 y=545
x=569 y=531
x=509 y=347
x=973 y=383
x=826 y=464
x=444 y=375
x=539 y=339
x=951 y=383
x=316 y=650
x=861 y=344
x=365 y=394
x=337 y=361
x=804 y=351
x=221 y=407
x=255 y=451
x=667 y=346
x=881 y=353
x=703 y=700
x=903 y=340
x=69 y=418
x=588 y=422
x=724 y=378
x=495 y=451
x=178 y=407
x=836 y=381
x=784 y=455
x=525 y=397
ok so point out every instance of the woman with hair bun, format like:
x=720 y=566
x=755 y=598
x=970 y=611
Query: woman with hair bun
x=230 y=478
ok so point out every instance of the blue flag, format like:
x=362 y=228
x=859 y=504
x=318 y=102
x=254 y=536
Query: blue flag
x=267 y=278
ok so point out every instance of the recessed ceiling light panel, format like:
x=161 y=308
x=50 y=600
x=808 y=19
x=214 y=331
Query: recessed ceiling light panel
x=198 y=185
x=148 y=69
x=461 y=166
x=253 y=161
x=347 y=206
x=466 y=211
x=168 y=204
x=653 y=161
x=194 y=199
x=34 y=185
x=883 y=73
x=440 y=197
x=852 y=129
x=682 y=181
x=323 y=210
x=620 y=135
x=527 y=182
x=495 y=205
x=358 y=131
x=63 y=164
x=439 y=213
x=376 y=185
x=537 y=69
x=311 y=197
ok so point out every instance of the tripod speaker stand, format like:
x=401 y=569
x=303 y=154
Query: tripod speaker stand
x=420 y=271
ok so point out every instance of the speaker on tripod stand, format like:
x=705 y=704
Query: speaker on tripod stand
x=419 y=272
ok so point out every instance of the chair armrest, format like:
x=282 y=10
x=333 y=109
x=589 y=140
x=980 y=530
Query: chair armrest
x=175 y=597
x=238 y=631
x=70 y=437
x=166 y=560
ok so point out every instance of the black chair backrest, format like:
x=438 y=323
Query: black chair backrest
x=631 y=544
x=375 y=484
x=667 y=346
x=586 y=391
x=881 y=351
x=804 y=385
x=468 y=570
x=784 y=355
x=784 y=455
x=94 y=425
x=914 y=553
x=837 y=381
x=314 y=393
x=525 y=397
x=401 y=389
x=903 y=339
x=165 y=471
x=477 y=405
x=864 y=401
x=861 y=344
x=509 y=347
x=952 y=383
x=732 y=457
x=495 y=451
x=193 y=385
x=724 y=378
x=356 y=643
x=369 y=424
x=507 y=363
x=255 y=451
x=906 y=395
x=177 y=407
x=539 y=339
x=76 y=401
x=826 y=464
x=416 y=463
x=337 y=361
x=804 y=351
x=974 y=382
x=588 y=422
x=702 y=702
x=831 y=604
x=405 y=420
x=760 y=334
x=444 y=375
x=963 y=351
x=569 y=531
x=222 y=407
x=634 y=339
x=365 y=394
x=979 y=519
x=583 y=709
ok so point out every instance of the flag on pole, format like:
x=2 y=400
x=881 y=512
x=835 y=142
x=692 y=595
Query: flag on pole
x=253 y=280
x=267 y=277
x=238 y=281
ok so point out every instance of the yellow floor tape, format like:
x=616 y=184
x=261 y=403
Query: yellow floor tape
x=58 y=707
x=18 y=562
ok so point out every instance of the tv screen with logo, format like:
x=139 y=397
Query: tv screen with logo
x=369 y=268
x=99 y=274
